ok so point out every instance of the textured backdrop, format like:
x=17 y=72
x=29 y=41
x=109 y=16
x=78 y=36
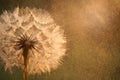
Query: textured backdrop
x=92 y=29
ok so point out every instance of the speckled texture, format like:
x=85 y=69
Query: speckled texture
x=92 y=28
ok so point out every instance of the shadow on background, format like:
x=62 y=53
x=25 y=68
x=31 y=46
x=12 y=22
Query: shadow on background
x=11 y=4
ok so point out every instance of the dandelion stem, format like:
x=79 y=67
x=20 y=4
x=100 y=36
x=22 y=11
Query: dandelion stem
x=26 y=43
x=25 y=55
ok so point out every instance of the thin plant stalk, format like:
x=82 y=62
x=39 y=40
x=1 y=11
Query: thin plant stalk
x=25 y=55
x=26 y=43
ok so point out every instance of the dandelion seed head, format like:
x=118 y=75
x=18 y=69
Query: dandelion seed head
x=45 y=38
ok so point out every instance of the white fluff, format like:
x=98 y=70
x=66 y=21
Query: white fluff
x=39 y=23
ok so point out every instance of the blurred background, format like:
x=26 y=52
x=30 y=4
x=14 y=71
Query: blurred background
x=92 y=28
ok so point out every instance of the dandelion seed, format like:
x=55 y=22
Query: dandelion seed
x=30 y=40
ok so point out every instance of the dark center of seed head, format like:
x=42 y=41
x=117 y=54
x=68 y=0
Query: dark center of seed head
x=25 y=42
x=28 y=44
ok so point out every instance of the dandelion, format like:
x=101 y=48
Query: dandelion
x=30 y=40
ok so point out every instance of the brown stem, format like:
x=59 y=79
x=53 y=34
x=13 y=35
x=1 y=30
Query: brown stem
x=26 y=43
x=25 y=55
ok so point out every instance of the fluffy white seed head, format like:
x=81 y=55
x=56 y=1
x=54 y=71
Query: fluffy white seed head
x=36 y=22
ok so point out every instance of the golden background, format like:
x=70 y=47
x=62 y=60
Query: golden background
x=92 y=28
